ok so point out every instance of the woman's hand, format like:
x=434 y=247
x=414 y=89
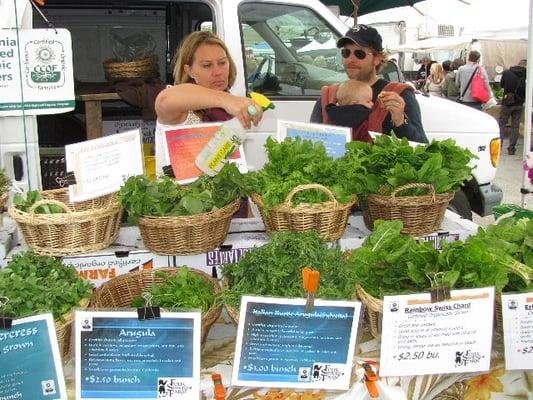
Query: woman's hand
x=239 y=107
x=395 y=104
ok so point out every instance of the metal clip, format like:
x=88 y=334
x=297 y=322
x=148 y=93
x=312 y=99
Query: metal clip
x=5 y=321
x=148 y=311
x=438 y=290
x=370 y=381
x=67 y=180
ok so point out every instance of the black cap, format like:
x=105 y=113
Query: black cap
x=364 y=36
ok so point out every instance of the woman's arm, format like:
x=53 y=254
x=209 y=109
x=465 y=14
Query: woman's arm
x=173 y=104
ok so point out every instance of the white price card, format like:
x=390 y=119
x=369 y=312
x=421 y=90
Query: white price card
x=101 y=166
x=279 y=344
x=517 y=311
x=333 y=137
x=423 y=338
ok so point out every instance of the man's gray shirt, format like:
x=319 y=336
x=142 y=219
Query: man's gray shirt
x=463 y=76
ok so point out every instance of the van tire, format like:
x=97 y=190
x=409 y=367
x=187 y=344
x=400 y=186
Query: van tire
x=460 y=205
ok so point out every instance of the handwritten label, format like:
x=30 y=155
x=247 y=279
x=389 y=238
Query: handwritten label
x=30 y=364
x=101 y=166
x=118 y=356
x=280 y=345
x=421 y=338
x=517 y=312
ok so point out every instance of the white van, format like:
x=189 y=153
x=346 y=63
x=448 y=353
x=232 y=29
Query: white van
x=291 y=54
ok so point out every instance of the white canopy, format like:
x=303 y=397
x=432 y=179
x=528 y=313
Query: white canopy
x=432 y=44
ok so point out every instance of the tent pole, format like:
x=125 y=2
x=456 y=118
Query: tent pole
x=527 y=111
x=356 y=5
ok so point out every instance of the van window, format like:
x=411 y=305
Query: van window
x=289 y=50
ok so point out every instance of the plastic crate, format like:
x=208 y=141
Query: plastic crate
x=53 y=166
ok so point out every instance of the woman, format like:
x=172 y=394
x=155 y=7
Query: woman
x=203 y=74
x=450 y=90
x=435 y=81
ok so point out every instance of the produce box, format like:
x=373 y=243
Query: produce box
x=453 y=228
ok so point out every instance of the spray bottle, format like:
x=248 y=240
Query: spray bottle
x=227 y=139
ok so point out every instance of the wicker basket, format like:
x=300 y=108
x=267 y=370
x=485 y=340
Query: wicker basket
x=187 y=235
x=64 y=332
x=328 y=218
x=118 y=70
x=122 y=290
x=374 y=310
x=420 y=215
x=85 y=227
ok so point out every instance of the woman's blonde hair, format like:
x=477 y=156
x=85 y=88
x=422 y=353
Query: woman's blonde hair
x=437 y=72
x=187 y=50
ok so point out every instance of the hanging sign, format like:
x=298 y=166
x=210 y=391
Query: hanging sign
x=119 y=356
x=423 y=338
x=30 y=364
x=279 y=344
x=36 y=72
x=517 y=311
x=334 y=138
x=101 y=166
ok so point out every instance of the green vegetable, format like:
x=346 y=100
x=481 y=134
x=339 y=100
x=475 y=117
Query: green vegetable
x=5 y=182
x=32 y=197
x=35 y=284
x=141 y=196
x=275 y=269
x=183 y=290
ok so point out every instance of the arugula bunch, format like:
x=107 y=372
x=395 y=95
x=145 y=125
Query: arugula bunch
x=275 y=269
x=391 y=263
x=141 y=196
x=391 y=162
x=183 y=290
x=32 y=197
x=295 y=162
x=37 y=284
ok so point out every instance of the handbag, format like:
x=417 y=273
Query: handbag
x=479 y=90
x=512 y=98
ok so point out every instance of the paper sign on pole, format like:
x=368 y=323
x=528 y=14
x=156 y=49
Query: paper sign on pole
x=184 y=143
x=517 y=311
x=333 y=137
x=30 y=363
x=280 y=345
x=101 y=166
x=120 y=357
x=423 y=338
x=36 y=73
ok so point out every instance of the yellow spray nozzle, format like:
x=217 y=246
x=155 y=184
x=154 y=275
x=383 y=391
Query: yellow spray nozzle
x=262 y=100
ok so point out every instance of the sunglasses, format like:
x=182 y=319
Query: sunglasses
x=360 y=54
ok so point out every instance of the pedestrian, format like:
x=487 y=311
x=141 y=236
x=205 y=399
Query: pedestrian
x=464 y=77
x=435 y=81
x=397 y=109
x=450 y=90
x=423 y=72
x=513 y=83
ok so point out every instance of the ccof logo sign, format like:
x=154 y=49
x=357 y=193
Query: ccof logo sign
x=44 y=62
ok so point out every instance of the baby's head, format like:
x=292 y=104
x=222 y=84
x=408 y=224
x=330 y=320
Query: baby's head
x=354 y=92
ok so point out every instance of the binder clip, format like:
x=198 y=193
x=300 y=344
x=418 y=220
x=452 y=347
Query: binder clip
x=310 y=282
x=370 y=381
x=168 y=171
x=5 y=321
x=68 y=180
x=148 y=311
x=438 y=290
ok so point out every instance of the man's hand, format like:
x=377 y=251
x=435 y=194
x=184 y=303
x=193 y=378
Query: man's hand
x=395 y=104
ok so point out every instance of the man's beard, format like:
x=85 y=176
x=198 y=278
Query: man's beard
x=361 y=75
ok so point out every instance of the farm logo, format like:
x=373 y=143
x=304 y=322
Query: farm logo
x=44 y=61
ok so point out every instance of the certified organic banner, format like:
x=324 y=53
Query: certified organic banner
x=280 y=345
x=36 y=73
x=30 y=364
x=120 y=357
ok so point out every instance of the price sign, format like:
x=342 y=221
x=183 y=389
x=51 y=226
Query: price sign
x=118 y=356
x=281 y=345
x=517 y=312
x=421 y=338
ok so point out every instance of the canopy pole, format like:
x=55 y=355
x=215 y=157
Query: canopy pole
x=356 y=5
x=527 y=111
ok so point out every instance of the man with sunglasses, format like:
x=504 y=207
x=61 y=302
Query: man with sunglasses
x=395 y=105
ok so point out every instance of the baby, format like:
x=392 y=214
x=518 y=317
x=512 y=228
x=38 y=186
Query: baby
x=354 y=105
